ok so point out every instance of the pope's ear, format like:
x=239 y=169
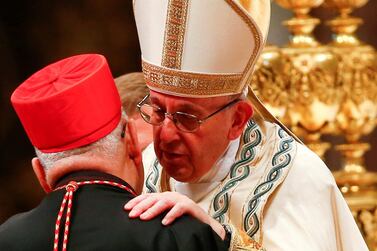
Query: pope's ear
x=41 y=174
x=242 y=113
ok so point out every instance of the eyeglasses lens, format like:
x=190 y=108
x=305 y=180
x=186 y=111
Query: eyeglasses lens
x=186 y=122
x=151 y=114
x=155 y=116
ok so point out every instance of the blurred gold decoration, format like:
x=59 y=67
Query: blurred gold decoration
x=357 y=75
x=332 y=89
x=368 y=220
x=270 y=81
x=313 y=94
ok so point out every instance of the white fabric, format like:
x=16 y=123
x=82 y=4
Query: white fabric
x=218 y=24
x=217 y=39
x=150 y=18
x=306 y=212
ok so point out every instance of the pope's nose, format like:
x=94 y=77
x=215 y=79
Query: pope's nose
x=169 y=130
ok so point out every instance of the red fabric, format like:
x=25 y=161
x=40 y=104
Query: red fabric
x=68 y=104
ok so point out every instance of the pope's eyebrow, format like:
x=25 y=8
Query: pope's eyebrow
x=192 y=108
x=186 y=107
x=154 y=101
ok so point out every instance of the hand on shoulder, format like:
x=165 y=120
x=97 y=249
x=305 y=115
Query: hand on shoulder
x=148 y=206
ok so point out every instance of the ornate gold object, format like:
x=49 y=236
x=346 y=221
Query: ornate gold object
x=360 y=191
x=313 y=94
x=357 y=75
x=368 y=222
x=270 y=81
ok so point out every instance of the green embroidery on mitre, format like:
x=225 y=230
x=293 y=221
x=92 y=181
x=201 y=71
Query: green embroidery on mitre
x=281 y=162
x=240 y=170
x=153 y=177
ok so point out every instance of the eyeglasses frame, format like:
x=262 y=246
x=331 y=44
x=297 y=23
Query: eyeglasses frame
x=172 y=117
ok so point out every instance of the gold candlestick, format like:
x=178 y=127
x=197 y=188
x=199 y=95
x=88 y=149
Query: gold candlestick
x=357 y=74
x=270 y=83
x=301 y=24
x=314 y=96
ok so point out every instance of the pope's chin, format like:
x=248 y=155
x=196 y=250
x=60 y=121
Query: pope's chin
x=181 y=174
x=177 y=167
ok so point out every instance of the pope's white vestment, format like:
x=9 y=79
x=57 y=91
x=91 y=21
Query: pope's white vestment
x=272 y=188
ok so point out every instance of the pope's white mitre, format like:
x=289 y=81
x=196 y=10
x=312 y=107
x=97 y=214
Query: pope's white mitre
x=200 y=48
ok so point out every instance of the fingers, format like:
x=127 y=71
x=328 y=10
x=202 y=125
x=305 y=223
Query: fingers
x=159 y=207
x=129 y=205
x=187 y=206
x=177 y=211
x=142 y=206
x=148 y=206
x=198 y=213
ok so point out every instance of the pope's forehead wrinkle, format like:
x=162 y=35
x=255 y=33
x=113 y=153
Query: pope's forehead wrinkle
x=190 y=106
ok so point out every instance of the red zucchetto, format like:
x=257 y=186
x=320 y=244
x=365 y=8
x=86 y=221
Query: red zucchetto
x=68 y=104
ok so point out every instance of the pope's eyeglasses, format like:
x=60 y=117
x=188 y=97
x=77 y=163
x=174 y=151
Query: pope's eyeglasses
x=185 y=122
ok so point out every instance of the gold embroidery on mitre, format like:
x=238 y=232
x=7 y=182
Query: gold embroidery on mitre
x=191 y=84
x=174 y=33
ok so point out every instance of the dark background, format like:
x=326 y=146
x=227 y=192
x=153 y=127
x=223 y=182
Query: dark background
x=36 y=33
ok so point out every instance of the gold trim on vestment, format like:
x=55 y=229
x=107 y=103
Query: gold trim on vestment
x=174 y=33
x=164 y=181
x=241 y=241
x=190 y=84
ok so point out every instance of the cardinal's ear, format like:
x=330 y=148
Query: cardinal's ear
x=41 y=174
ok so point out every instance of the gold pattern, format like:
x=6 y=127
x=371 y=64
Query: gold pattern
x=360 y=192
x=358 y=78
x=164 y=181
x=357 y=75
x=312 y=77
x=368 y=225
x=241 y=241
x=314 y=95
x=270 y=81
x=174 y=33
x=190 y=84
